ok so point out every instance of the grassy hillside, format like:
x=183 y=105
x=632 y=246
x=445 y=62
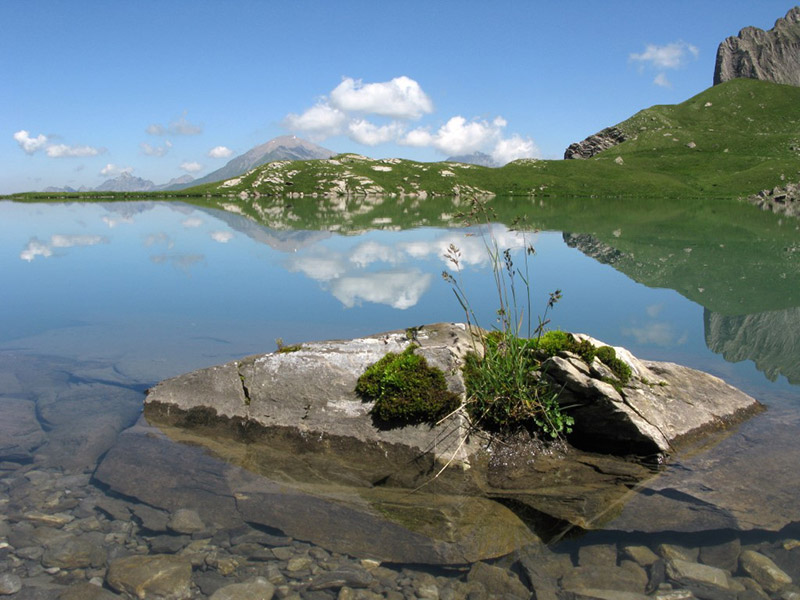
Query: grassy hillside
x=731 y=140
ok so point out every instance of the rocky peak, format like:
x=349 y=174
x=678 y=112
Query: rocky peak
x=772 y=55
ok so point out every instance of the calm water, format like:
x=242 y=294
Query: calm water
x=131 y=293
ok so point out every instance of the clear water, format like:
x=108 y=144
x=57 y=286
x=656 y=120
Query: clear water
x=151 y=290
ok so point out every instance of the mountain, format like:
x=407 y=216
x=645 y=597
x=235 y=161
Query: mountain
x=772 y=55
x=61 y=190
x=126 y=183
x=285 y=147
x=476 y=158
x=183 y=180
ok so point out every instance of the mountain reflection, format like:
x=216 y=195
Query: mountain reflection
x=770 y=339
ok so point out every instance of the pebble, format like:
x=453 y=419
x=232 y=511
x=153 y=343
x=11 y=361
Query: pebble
x=9 y=584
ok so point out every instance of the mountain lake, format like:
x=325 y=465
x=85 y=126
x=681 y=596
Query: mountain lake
x=100 y=301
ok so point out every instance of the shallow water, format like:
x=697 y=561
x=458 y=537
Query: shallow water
x=101 y=301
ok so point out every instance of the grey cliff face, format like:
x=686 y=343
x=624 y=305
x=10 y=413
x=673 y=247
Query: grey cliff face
x=594 y=144
x=772 y=55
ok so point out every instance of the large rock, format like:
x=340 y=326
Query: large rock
x=311 y=391
x=772 y=55
x=294 y=419
x=663 y=405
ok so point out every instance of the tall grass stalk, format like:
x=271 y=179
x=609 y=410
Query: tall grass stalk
x=505 y=386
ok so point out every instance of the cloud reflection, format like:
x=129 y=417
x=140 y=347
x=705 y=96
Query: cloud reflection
x=36 y=247
x=182 y=261
x=472 y=246
x=347 y=275
x=656 y=333
x=398 y=289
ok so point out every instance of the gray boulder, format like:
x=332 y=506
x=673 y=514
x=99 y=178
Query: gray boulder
x=772 y=55
x=311 y=391
x=662 y=407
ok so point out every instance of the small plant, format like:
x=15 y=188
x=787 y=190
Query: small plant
x=505 y=389
x=406 y=389
x=283 y=349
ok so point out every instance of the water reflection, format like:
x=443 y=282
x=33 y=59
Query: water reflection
x=90 y=286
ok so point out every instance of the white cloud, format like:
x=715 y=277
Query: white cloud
x=28 y=144
x=398 y=289
x=371 y=252
x=401 y=98
x=113 y=170
x=160 y=238
x=191 y=166
x=64 y=151
x=671 y=56
x=655 y=333
x=320 y=121
x=191 y=222
x=417 y=137
x=179 y=126
x=117 y=220
x=662 y=81
x=653 y=310
x=370 y=134
x=472 y=247
x=319 y=268
x=220 y=152
x=155 y=150
x=223 y=237
x=460 y=136
x=512 y=148
x=37 y=247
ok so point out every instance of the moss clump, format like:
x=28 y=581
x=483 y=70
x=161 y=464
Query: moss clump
x=553 y=342
x=406 y=389
x=621 y=369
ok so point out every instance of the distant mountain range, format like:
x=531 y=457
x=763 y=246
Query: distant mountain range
x=476 y=158
x=285 y=147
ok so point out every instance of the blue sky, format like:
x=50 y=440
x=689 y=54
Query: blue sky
x=160 y=89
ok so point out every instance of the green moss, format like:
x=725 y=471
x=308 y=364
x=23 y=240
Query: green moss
x=553 y=342
x=621 y=369
x=292 y=348
x=406 y=389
